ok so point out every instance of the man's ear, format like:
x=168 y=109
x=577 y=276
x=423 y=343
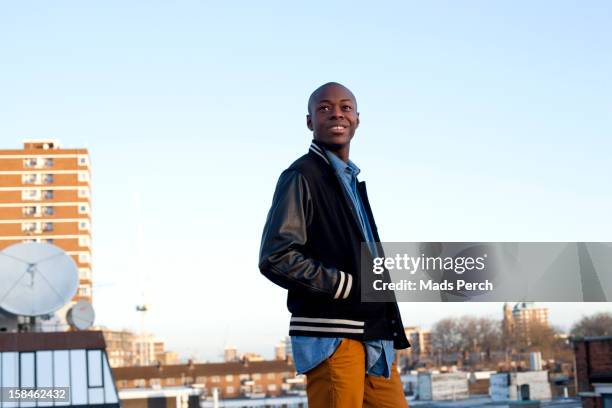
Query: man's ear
x=309 y=122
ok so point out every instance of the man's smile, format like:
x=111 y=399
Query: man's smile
x=337 y=128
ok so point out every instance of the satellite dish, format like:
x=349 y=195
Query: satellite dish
x=37 y=279
x=81 y=316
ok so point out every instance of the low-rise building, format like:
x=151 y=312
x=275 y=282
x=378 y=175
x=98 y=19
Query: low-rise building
x=420 y=347
x=442 y=386
x=520 y=386
x=232 y=379
x=594 y=371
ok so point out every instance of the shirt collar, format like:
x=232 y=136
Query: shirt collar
x=340 y=166
x=337 y=164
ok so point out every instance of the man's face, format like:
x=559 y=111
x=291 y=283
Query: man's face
x=333 y=115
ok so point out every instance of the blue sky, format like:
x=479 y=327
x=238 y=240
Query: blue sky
x=480 y=121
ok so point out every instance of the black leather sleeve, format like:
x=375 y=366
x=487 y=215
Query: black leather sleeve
x=282 y=258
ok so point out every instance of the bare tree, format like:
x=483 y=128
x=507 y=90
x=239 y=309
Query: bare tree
x=542 y=337
x=465 y=335
x=445 y=336
x=599 y=324
x=489 y=335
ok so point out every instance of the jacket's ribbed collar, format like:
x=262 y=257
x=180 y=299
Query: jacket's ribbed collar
x=318 y=150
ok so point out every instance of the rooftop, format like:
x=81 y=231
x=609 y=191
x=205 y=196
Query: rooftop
x=207 y=369
x=33 y=341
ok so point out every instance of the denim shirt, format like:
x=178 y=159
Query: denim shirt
x=309 y=352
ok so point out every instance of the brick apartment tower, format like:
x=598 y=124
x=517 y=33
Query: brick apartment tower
x=45 y=197
x=517 y=320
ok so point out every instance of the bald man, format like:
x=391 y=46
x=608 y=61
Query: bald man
x=311 y=246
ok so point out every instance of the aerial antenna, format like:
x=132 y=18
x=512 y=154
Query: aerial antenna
x=81 y=316
x=38 y=279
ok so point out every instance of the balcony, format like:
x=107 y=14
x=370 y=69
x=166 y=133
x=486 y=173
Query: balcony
x=37 y=162
x=30 y=227
x=30 y=211
x=30 y=179
x=31 y=194
x=30 y=162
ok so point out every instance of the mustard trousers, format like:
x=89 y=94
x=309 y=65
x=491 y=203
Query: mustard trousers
x=341 y=382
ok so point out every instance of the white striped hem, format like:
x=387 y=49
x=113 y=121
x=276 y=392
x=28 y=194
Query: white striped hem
x=324 y=320
x=325 y=329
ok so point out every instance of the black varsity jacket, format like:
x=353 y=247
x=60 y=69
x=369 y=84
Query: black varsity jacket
x=311 y=245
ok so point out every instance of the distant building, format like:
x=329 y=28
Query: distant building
x=280 y=351
x=125 y=348
x=288 y=347
x=120 y=347
x=163 y=356
x=45 y=196
x=594 y=370
x=230 y=353
x=249 y=356
x=519 y=318
x=233 y=380
x=168 y=358
x=144 y=349
x=420 y=344
x=527 y=312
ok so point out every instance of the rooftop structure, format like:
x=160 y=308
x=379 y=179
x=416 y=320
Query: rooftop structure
x=75 y=360
x=594 y=370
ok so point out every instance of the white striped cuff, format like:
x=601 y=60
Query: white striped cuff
x=344 y=288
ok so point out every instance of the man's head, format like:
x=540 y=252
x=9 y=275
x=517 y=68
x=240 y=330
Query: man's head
x=332 y=116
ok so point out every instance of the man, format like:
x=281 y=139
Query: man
x=311 y=245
